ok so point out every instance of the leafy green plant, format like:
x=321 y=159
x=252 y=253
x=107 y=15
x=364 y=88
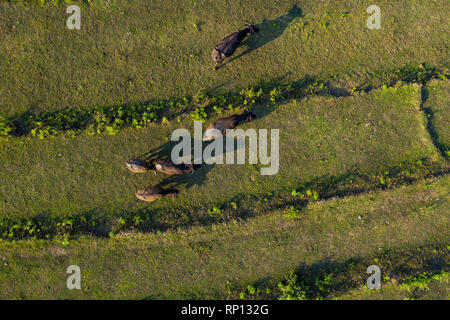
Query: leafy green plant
x=251 y=93
x=420 y=281
x=292 y=289
x=198 y=114
x=384 y=178
x=292 y=213
x=218 y=110
x=268 y=196
x=215 y=211
x=308 y=195
x=5 y=126
x=249 y=292
x=274 y=93
x=324 y=285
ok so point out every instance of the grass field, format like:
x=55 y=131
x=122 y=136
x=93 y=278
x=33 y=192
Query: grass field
x=438 y=112
x=206 y=262
x=320 y=139
x=427 y=287
x=135 y=51
x=363 y=117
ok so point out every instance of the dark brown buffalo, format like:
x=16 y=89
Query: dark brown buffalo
x=168 y=167
x=228 y=45
x=151 y=194
x=223 y=124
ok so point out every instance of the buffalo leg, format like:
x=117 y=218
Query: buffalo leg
x=217 y=64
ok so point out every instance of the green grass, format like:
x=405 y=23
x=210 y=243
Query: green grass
x=437 y=107
x=422 y=287
x=364 y=142
x=406 y=273
x=207 y=262
x=76 y=121
x=327 y=144
x=133 y=52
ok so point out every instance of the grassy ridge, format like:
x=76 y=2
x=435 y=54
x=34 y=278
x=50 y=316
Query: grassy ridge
x=75 y=121
x=422 y=287
x=406 y=273
x=437 y=107
x=329 y=142
x=206 y=262
x=131 y=52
